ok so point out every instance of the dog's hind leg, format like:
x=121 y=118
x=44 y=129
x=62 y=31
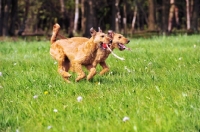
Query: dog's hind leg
x=66 y=66
x=63 y=66
x=62 y=72
x=105 y=68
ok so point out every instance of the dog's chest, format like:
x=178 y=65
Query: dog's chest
x=101 y=55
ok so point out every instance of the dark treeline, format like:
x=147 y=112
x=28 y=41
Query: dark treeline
x=36 y=17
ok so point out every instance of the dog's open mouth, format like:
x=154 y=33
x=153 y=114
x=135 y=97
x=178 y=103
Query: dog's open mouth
x=105 y=45
x=121 y=46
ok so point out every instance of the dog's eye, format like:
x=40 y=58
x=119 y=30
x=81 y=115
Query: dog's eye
x=102 y=36
x=120 y=37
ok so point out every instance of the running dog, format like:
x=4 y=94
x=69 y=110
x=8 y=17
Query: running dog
x=74 y=52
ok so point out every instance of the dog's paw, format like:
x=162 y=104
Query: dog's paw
x=67 y=80
x=80 y=77
x=91 y=74
x=66 y=75
x=104 y=71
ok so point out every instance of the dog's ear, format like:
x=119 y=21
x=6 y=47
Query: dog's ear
x=92 y=31
x=100 y=29
x=110 y=33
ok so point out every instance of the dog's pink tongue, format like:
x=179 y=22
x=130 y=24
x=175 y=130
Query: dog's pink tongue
x=124 y=47
x=104 y=45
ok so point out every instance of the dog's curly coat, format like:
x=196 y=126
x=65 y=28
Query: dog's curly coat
x=80 y=51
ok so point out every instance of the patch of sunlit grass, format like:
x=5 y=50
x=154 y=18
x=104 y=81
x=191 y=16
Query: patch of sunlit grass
x=156 y=88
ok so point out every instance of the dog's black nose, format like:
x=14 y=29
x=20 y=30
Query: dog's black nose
x=128 y=41
x=111 y=41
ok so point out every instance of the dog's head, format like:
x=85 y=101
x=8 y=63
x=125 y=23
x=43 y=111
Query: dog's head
x=100 y=38
x=118 y=40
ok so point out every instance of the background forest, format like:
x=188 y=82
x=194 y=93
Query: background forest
x=36 y=17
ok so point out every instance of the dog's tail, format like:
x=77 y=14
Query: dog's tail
x=56 y=28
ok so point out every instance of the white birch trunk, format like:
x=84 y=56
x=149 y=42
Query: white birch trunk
x=171 y=15
x=62 y=9
x=188 y=14
x=125 y=18
x=134 y=19
x=176 y=15
x=117 y=17
x=76 y=16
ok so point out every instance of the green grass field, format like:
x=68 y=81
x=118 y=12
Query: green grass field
x=156 y=88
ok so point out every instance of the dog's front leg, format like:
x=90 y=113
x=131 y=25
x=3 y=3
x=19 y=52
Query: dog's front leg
x=92 y=71
x=105 y=68
x=79 y=71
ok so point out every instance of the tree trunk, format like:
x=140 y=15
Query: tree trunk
x=141 y=16
x=65 y=19
x=13 y=17
x=90 y=17
x=151 y=17
x=164 y=15
x=188 y=15
x=1 y=17
x=117 y=16
x=134 y=20
x=171 y=15
x=71 y=25
x=6 y=17
x=76 y=16
x=83 y=18
x=194 y=25
x=62 y=8
x=113 y=27
x=23 y=25
x=125 y=17
x=176 y=16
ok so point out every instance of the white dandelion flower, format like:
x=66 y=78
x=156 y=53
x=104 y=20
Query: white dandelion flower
x=184 y=94
x=79 y=98
x=135 y=128
x=125 y=119
x=180 y=58
x=35 y=96
x=55 y=110
x=1 y=74
x=55 y=63
x=195 y=46
x=49 y=127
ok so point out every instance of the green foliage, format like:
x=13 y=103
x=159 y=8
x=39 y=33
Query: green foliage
x=157 y=87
